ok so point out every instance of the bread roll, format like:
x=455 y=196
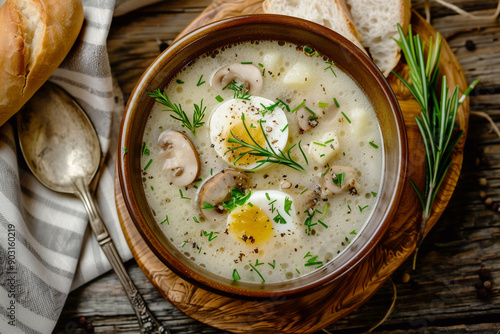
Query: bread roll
x=35 y=37
x=332 y=14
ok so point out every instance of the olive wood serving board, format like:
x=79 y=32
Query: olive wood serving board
x=313 y=312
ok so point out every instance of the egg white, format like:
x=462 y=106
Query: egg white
x=227 y=116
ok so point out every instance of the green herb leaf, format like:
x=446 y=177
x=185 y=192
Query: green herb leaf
x=178 y=114
x=207 y=206
x=179 y=81
x=345 y=116
x=219 y=98
x=236 y=276
x=279 y=219
x=374 y=194
x=338 y=179
x=288 y=205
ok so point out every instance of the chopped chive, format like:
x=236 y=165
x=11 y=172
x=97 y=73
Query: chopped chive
x=338 y=179
x=273 y=265
x=303 y=154
x=261 y=65
x=279 y=219
x=149 y=163
x=300 y=105
x=211 y=171
x=195 y=186
x=298 y=272
x=347 y=118
x=308 y=264
x=308 y=50
x=343 y=153
x=313 y=117
x=353 y=232
x=199 y=251
x=144 y=149
x=179 y=81
x=347 y=240
x=207 y=206
x=211 y=236
x=165 y=220
x=330 y=67
x=236 y=276
x=324 y=210
x=152 y=188
x=184 y=244
x=373 y=144
x=362 y=208
x=283 y=103
x=196 y=220
x=374 y=194
x=329 y=141
x=309 y=110
x=303 y=191
x=321 y=155
x=258 y=272
x=323 y=104
x=321 y=222
x=182 y=196
x=200 y=82
x=250 y=204
x=348 y=206
x=286 y=126
x=246 y=62
x=249 y=171
x=198 y=179
x=125 y=150
x=257 y=263
x=326 y=171
x=219 y=98
x=319 y=144
x=336 y=102
x=267 y=196
x=253 y=126
x=308 y=254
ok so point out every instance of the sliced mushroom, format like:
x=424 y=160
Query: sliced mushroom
x=305 y=121
x=182 y=162
x=246 y=74
x=217 y=189
x=331 y=185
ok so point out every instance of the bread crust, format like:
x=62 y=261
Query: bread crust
x=35 y=37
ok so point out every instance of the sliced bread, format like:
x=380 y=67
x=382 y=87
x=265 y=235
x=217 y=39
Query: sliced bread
x=377 y=21
x=332 y=14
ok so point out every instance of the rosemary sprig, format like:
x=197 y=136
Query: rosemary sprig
x=269 y=153
x=437 y=116
x=180 y=115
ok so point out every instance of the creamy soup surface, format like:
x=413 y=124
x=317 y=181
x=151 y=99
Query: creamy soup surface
x=286 y=222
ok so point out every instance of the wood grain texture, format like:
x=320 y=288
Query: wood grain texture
x=281 y=315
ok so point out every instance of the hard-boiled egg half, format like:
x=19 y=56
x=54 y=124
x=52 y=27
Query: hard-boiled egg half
x=266 y=214
x=242 y=119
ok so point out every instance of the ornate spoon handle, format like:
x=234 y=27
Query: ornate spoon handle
x=147 y=322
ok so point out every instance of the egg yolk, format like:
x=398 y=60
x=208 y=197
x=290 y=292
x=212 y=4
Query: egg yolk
x=250 y=224
x=239 y=132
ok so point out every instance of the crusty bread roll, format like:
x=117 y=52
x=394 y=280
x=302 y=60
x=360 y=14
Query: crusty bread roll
x=35 y=36
x=377 y=21
x=332 y=14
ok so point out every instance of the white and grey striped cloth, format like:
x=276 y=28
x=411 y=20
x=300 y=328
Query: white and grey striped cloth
x=46 y=249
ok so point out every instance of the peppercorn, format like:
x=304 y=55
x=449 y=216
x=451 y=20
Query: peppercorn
x=470 y=45
x=406 y=278
x=484 y=274
x=488 y=201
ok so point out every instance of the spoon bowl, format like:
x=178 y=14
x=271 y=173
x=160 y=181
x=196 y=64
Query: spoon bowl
x=62 y=150
x=58 y=140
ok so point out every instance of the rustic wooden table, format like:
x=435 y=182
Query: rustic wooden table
x=445 y=293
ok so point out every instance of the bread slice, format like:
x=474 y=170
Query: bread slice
x=332 y=14
x=377 y=21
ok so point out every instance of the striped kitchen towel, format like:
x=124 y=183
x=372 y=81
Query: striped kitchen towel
x=46 y=249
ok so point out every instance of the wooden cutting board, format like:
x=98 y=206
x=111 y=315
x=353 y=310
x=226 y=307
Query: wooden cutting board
x=313 y=312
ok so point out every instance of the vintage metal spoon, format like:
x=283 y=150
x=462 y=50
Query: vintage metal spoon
x=62 y=150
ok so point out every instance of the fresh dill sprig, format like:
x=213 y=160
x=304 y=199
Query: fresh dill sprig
x=239 y=90
x=268 y=154
x=438 y=113
x=180 y=115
